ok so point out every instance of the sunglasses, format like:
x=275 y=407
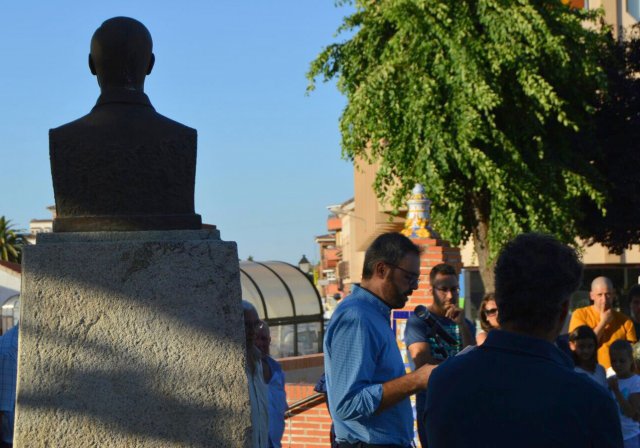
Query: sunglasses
x=491 y=312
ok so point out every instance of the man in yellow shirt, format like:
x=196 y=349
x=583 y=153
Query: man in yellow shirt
x=608 y=324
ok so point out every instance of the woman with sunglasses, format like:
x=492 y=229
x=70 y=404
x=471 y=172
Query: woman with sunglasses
x=488 y=317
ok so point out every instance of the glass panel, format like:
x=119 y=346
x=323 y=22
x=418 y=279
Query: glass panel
x=309 y=338
x=275 y=294
x=281 y=341
x=251 y=294
x=304 y=293
x=633 y=8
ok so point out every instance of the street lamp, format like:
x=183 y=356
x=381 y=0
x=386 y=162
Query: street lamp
x=304 y=265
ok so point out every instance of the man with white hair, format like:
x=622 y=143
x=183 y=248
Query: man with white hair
x=608 y=324
x=274 y=378
x=258 y=390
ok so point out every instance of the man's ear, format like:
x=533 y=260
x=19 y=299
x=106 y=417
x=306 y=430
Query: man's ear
x=92 y=66
x=152 y=61
x=380 y=269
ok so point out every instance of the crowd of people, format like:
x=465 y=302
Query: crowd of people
x=523 y=380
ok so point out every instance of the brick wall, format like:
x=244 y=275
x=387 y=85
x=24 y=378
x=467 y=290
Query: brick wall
x=310 y=426
x=434 y=251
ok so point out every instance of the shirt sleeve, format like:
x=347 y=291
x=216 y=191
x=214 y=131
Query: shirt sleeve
x=577 y=319
x=630 y=330
x=416 y=331
x=353 y=349
x=8 y=367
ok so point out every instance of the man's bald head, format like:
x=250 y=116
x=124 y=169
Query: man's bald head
x=121 y=54
x=602 y=293
x=599 y=282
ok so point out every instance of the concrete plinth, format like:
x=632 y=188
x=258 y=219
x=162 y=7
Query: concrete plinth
x=132 y=339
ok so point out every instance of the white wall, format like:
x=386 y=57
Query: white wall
x=9 y=284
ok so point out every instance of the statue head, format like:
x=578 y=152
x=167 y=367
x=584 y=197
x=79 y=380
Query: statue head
x=121 y=54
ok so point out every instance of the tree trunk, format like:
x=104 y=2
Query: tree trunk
x=485 y=265
x=481 y=243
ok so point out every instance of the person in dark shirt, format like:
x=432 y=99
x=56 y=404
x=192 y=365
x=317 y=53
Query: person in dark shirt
x=634 y=307
x=423 y=344
x=518 y=384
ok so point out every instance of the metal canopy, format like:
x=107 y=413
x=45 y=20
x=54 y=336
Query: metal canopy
x=289 y=302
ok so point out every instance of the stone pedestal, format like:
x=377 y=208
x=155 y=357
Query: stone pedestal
x=132 y=339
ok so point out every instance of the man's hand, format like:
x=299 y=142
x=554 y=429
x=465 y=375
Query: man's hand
x=606 y=317
x=455 y=314
x=400 y=388
x=423 y=373
x=613 y=384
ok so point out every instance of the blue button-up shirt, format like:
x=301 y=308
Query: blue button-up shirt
x=360 y=354
x=517 y=391
x=277 y=403
x=8 y=374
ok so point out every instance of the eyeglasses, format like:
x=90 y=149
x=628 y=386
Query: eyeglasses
x=444 y=290
x=413 y=277
x=491 y=312
x=253 y=325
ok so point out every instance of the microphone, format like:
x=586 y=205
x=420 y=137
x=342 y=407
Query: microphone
x=424 y=315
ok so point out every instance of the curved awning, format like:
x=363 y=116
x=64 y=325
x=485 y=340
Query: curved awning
x=288 y=301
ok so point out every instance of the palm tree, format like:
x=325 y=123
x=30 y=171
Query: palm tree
x=11 y=242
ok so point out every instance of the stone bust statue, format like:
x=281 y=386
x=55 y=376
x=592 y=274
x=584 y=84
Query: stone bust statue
x=123 y=166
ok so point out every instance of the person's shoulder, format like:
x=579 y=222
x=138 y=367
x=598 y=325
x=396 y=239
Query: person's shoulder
x=581 y=387
x=581 y=312
x=634 y=383
x=70 y=127
x=622 y=318
x=464 y=363
x=348 y=312
x=415 y=330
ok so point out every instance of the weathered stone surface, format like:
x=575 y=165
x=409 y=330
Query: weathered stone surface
x=134 y=343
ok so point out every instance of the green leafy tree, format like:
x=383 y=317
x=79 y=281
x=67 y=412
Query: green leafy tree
x=478 y=100
x=11 y=242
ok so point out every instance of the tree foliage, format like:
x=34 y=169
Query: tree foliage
x=11 y=242
x=615 y=139
x=478 y=100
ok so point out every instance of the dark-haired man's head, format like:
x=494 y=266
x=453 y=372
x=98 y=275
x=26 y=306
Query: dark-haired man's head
x=444 y=287
x=121 y=54
x=535 y=276
x=391 y=268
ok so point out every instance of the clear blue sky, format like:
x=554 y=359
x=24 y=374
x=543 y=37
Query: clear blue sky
x=268 y=156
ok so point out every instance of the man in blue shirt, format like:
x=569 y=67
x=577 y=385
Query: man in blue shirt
x=518 y=389
x=368 y=390
x=274 y=379
x=424 y=345
x=8 y=376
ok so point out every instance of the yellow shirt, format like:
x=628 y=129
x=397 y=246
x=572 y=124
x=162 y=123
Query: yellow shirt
x=621 y=327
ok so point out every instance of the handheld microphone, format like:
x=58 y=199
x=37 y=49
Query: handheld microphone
x=424 y=315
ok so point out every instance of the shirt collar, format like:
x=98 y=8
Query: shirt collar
x=529 y=345
x=367 y=296
x=123 y=96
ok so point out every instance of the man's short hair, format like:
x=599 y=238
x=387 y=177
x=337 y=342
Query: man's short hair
x=442 y=269
x=622 y=345
x=634 y=292
x=389 y=248
x=534 y=276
